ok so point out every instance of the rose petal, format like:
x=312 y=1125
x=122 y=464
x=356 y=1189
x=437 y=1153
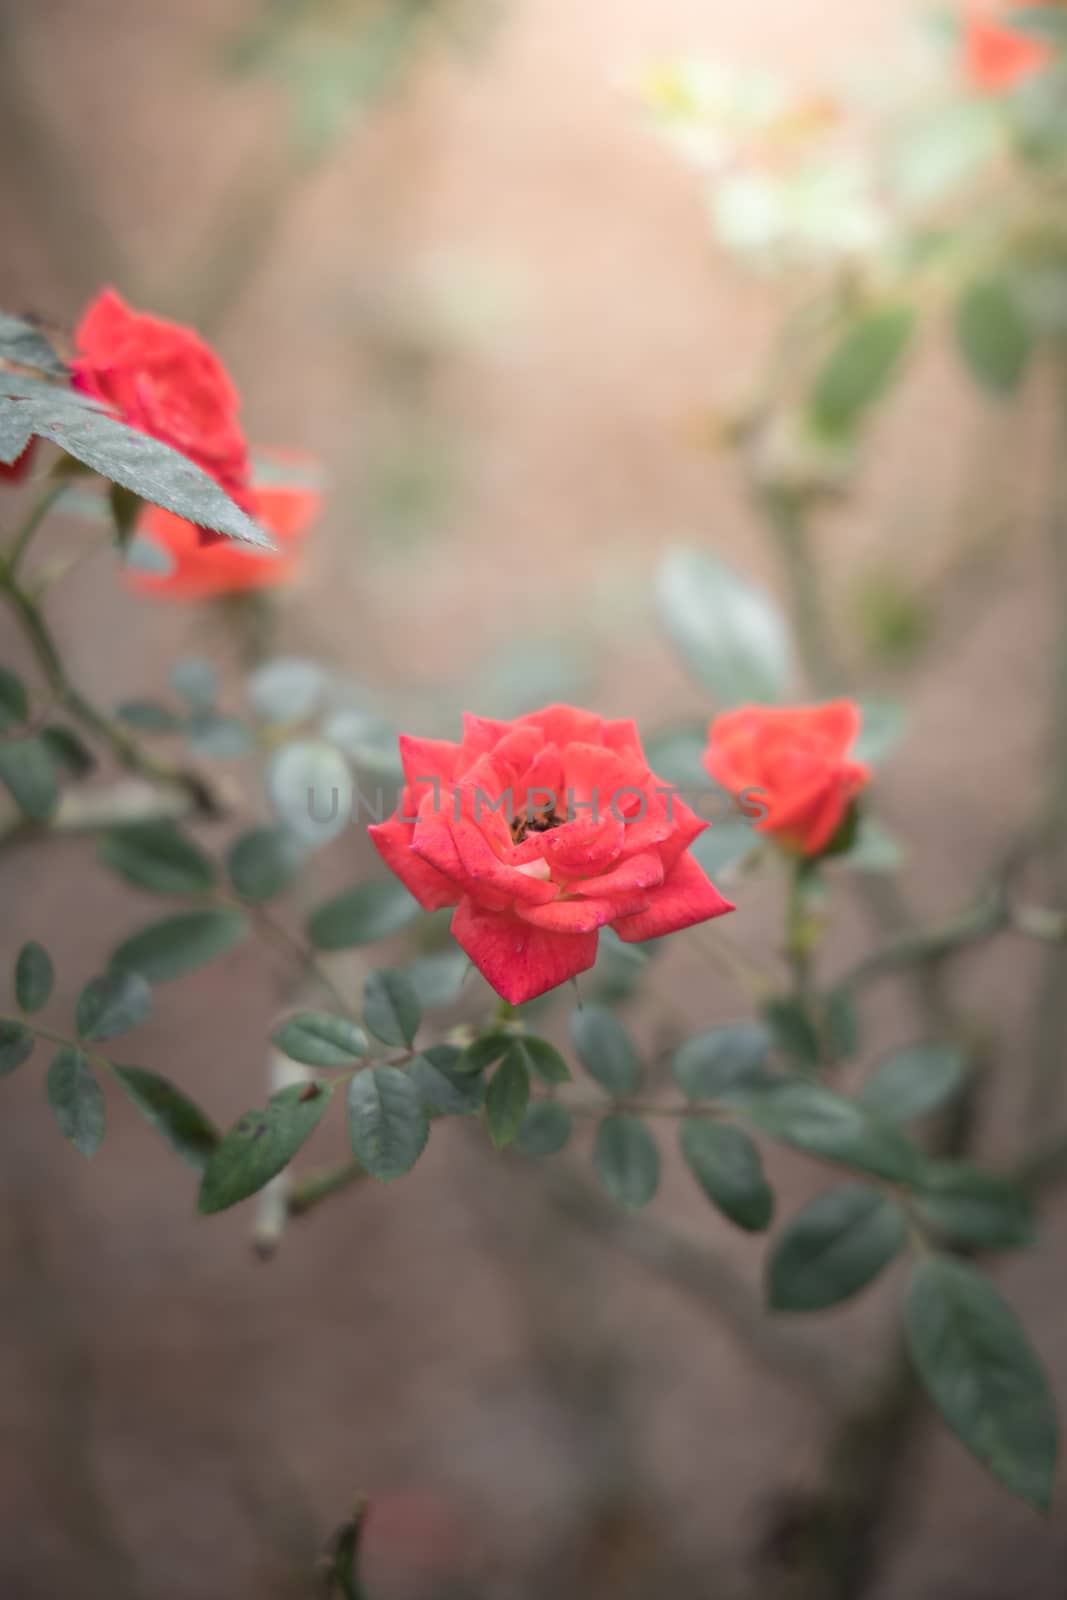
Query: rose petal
x=517 y=959
x=687 y=896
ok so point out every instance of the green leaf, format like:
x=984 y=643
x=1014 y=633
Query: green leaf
x=978 y=1368
x=626 y=1161
x=442 y=1087
x=544 y=1130
x=27 y=772
x=721 y=1059
x=176 y=945
x=181 y=1122
x=727 y=1166
x=993 y=335
x=218 y=737
x=730 y=635
x=390 y=1007
x=363 y=915
x=196 y=682
x=158 y=857
x=913 y=1082
x=14 y=701
x=148 y=716
x=386 y=1121
x=874 y=849
x=16 y=1046
x=69 y=753
x=263 y=863
x=827 y=1125
x=320 y=1039
x=438 y=978
x=26 y=345
x=125 y=510
x=76 y=1100
x=541 y=1059
x=112 y=1005
x=968 y=1208
x=794 y=1030
x=507 y=1097
x=605 y=1049
x=310 y=786
x=834 y=1248
x=261 y=1144
x=841 y=1023
x=862 y=367
x=286 y=691
x=481 y=1053
x=123 y=455
x=34 y=977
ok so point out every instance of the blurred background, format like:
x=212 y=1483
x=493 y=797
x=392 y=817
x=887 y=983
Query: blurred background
x=439 y=248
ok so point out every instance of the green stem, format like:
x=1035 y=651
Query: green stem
x=127 y=749
x=53 y=491
x=800 y=572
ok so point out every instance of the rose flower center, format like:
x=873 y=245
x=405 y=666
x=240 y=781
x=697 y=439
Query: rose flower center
x=530 y=821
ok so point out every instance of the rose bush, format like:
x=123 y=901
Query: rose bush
x=540 y=832
x=795 y=759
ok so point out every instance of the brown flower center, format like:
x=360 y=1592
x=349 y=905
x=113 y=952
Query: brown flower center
x=534 y=822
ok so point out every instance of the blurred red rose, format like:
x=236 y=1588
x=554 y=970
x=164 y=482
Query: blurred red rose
x=540 y=832
x=15 y=471
x=996 y=57
x=163 y=379
x=793 y=762
x=225 y=566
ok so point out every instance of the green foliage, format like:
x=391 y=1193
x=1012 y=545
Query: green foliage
x=196 y=682
x=541 y=1059
x=76 y=1099
x=29 y=775
x=112 y=1005
x=70 y=755
x=320 y=1039
x=286 y=691
x=967 y=1208
x=34 y=977
x=261 y=1144
x=170 y=1111
x=443 y=1087
x=831 y=1127
x=158 y=857
x=861 y=368
x=727 y=1166
x=834 y=1248
x=884 y=725
x=913 y=1082
x=363 y=915
x=14 y=701
x=729 y=634
x=711 y=1063
x=795 y=1030
x=508 y=1096
x=16 y=1045
x=176 y=945
x=544 y=1130
x=148 y=716
x=28 y=346
x=263 y=863
x=605 y=1049
x=387 y=1122
x=391 y=1008
x=626 y=1160
x=982 y=1375
x=993 y=335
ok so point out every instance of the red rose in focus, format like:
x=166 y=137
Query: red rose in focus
x=794 y=760
x=540 y=832
x=165 y=381
x=15 y=471
x=225 y=566
x=996 y=58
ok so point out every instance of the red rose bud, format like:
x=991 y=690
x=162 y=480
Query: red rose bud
x=790 y=763
x=540 y=832
x=165 y=381
x=202 y=571
x=995 y=57
x=17 y=470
